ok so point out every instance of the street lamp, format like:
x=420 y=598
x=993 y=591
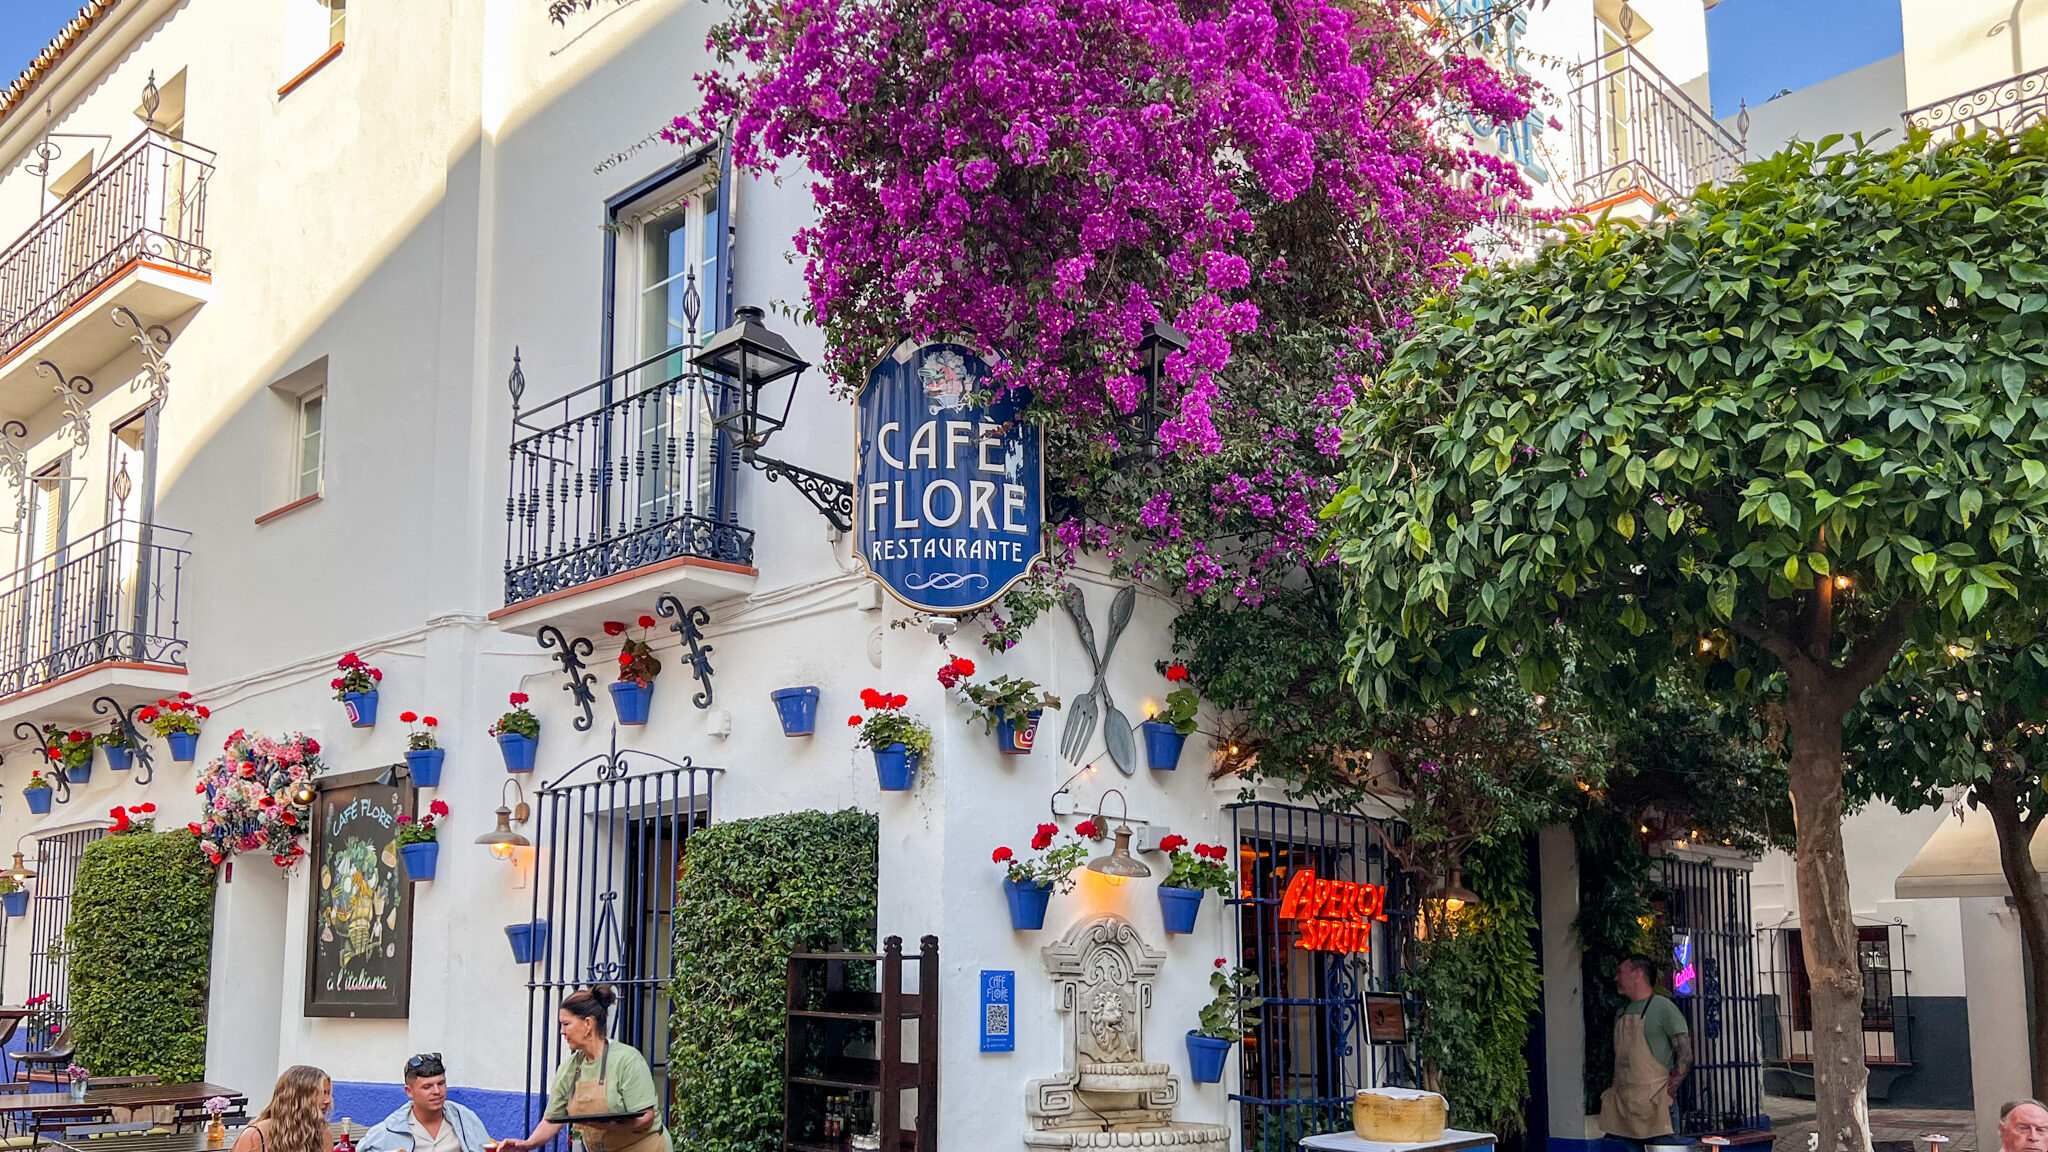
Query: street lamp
x=502 y=840
x=753 y=357
x=1161 y=341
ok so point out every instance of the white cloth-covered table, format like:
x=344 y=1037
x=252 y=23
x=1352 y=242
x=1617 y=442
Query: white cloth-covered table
x=1451 y=1141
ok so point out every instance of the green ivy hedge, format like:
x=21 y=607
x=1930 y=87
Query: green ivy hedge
x=141 y=940
x=751 y=893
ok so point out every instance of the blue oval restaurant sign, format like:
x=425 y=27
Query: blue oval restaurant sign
x=949 y=483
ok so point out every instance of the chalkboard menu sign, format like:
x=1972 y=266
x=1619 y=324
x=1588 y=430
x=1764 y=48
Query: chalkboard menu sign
x=359 y=938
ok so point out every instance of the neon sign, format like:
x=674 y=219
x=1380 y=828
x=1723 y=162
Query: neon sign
x=1334 y=915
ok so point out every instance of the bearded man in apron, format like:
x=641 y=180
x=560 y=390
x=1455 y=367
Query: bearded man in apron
x=1652 y=1055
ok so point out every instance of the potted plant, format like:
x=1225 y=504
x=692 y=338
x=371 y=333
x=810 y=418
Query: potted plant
x=1029 y=882
x=633 y=691
x=529 y=940
x=423 y=753
x=134 y=818
x=1193 y=871
x=1008 y=707
x=119 y=749
x=69 y=752
x=517 y=732
x=797 y=708
x=418 y=842
x=900 y=742
x=80 y=1080
x=177 y=721
x=1222 y=1021
x=37 y=792
x=1168 y=729
x=14 y=896
x=356 y=688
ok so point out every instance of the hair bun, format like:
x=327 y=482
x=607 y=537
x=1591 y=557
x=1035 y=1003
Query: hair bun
x=603 y=994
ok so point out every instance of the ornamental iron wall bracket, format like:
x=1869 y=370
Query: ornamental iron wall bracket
x=14 y=466
x=145 y=768
x=571 y=653
x=830 y=496
x=153 y=339
x=74 y=390
x=689 y=623
x=61 y=789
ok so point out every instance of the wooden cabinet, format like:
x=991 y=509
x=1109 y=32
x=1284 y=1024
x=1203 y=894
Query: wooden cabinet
x=846 y=1015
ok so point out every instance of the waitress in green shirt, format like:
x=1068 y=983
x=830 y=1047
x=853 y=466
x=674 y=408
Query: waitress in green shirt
x=599 y=1078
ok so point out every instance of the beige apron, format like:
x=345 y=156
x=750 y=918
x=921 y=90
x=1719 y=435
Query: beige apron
x=588 y=1098
x=1638 y=1104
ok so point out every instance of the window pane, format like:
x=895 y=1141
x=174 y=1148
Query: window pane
x=664 y=264
x=338 y=15
x=311 y=411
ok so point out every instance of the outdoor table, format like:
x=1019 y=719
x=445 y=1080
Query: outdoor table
x=193 y=1141
x=1452 y=1140
x=130 y=1097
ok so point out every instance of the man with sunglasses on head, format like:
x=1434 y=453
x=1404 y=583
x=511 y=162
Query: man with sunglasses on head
x=428 y=1121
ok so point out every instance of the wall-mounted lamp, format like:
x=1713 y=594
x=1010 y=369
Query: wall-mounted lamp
x=1455 y=895
x=502 y=840
x=1119 y=865
x=754 y=357
x=20 y=872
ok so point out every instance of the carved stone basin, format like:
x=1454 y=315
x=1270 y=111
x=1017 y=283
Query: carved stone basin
x=1179 y=1136
x=1124 y=1077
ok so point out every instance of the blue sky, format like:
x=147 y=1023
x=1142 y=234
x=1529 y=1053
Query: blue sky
x=1757 y=48
x=26 y=26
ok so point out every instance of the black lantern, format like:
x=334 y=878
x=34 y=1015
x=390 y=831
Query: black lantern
x=753 y=357
x=1161 y=341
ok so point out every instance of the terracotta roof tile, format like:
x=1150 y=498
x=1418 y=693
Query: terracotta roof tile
x=66 y=38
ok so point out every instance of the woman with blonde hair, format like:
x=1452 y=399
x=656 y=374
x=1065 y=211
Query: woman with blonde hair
x=295 y=1120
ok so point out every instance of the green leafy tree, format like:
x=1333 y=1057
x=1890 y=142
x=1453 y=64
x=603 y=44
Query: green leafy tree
x=1765 y=440
x=1970 y=721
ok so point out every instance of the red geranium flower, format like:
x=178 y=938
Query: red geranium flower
x=1085 y=828
x=335 y=683
x=1001 y=854
x=193 y=829
x=1174 y=843
x=184 y=695
x=438 y=808
x=1041 y=842
x=143 y=808
x=869 y=698
x=519 y=698
x=1220 y=961
x=625 y=658
x=1176 y=672
x=898 y=701
x=853 y=721
x=204 y=713
x=312 y=747
x=408 y=717
x=430 y=722
x=614 y=628
x=647 y=621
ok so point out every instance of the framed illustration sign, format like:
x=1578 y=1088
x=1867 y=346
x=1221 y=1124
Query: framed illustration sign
x=359 y=931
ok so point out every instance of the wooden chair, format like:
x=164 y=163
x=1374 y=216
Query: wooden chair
x=192 y=1117
x=108 y=1129
x=56 y=1122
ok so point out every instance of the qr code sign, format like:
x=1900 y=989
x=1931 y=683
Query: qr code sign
x=996 y=1019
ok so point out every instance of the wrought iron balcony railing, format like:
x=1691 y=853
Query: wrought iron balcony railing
x=2010 y=105
x=147 y=203
x=621 y=474
x=1635 y=130
x=111 y=596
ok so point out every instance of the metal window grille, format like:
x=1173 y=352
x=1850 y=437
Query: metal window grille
x=1309 y=1053
x=112 y=595
x=49 y=969
x=1787 y=1010
x=1709 y=908
x=609 y=850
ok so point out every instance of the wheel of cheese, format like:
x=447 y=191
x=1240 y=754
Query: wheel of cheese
x=1398 y=1115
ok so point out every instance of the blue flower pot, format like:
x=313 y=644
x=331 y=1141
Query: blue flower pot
x=529 y=941
x=362 y=708
x=1014 y=739
x=119 y=759
x=79 y=773
x=420 y=859
x=425 y=765
x=17 y=902
x=797 y=708
x=184 y=746
x=1027 y=904
x=1162 y=746
x=38 y=800
x=896 y=767
x=518 y=751
x=1205 y=1058
x=631 y=698
x=1178 y=907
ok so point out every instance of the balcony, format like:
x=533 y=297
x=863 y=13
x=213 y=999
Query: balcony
x=98 y=616
x=132 y=235
x=2010 y=105
x=1639 y=138
x=621 y=491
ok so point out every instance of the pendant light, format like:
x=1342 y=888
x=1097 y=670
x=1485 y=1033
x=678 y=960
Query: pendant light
x=1119 y=865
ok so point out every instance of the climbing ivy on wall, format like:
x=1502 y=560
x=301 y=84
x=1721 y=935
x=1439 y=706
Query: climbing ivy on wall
x=751 y=893
x=1617 y=906
x=1479 y=983
x=141 y=940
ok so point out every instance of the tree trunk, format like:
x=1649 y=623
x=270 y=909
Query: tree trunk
x=2001 y=799
x=1827 y=930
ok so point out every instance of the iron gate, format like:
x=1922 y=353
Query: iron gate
x=49 y=968
x=1708 y=912
x=1309 y=1053
x=609 y=843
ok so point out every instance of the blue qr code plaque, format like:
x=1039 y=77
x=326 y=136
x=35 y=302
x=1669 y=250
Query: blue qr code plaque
x=998 y=998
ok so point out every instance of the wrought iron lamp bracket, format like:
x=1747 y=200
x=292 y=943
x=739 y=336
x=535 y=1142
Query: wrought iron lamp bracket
x=689 y=624
x=571 y=653
x=125 y=717
x=61 y=787
x=829 y=495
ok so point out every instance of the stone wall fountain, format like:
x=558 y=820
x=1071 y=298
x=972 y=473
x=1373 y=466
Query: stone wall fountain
x=1108 y=1096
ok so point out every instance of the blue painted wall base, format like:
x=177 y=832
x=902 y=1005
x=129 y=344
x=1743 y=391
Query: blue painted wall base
x=503 y=1113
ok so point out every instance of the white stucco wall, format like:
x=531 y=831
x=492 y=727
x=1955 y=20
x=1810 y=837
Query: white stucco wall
x=1867 y=100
